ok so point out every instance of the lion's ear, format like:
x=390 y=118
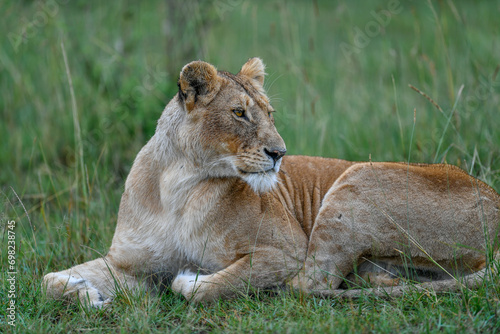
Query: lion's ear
x=254 y=69
x=198 y=83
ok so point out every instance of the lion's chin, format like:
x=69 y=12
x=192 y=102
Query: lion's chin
x=261 y=182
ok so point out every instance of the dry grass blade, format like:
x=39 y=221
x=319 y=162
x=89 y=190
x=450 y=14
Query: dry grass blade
x=427 y=97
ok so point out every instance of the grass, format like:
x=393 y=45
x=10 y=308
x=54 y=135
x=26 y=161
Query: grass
x=124 y=59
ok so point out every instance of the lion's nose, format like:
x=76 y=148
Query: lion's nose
x=275 y=153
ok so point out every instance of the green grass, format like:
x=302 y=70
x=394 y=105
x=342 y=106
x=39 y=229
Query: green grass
x=124 y=60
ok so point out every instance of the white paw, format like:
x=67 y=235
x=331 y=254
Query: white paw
x=68 y=286
x=188 y=283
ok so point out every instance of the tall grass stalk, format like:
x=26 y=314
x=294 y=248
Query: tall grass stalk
x=77 y=136
x=448 y=123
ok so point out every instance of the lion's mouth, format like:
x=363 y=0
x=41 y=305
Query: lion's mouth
x=270 y=170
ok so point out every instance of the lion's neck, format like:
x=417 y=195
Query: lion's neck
x=187 y=193
x=175 y=198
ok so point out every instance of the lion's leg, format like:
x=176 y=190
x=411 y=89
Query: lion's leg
x=332 y=253
x=346 y=229
x=262 y=269
x=471 y=281
x=93 y=282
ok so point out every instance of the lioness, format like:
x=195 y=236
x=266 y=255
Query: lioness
x=213 y=207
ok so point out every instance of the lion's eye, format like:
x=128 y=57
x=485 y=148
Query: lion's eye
x=239 y=112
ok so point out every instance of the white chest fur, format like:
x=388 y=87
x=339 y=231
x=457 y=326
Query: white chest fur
x=180 y=229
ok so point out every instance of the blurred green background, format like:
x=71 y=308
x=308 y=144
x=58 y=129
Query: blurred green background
x=338 y=76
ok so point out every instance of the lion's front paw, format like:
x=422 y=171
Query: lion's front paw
x=186 y=283
x=189 y=284
x=67 y=286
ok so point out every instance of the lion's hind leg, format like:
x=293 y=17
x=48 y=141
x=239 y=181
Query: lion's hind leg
x=93 y=283
x=471 y=281
x=433 y=282
x=389 y=210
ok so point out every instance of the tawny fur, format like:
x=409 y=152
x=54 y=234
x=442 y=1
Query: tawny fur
x=211 y=208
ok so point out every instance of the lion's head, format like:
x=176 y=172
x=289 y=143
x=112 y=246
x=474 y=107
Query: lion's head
x=224 y=123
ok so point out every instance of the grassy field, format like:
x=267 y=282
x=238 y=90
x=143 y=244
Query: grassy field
x=338 y=75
